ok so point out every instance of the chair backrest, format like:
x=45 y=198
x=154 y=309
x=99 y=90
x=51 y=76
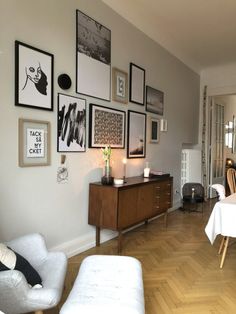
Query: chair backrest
x=231 y=179
x=220 y=191
x=198 y=189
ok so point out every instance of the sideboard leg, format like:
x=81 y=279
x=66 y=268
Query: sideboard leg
x=146 y=221
x=97 y=236
x=166 y=216
x=119 y=242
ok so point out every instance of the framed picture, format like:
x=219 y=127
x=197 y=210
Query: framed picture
x=107 y=127
x=164 y=125
x=71 y=124
x=93 y=57
x=154 y=130
x=137 y=84
x=136 y=134
x=33 y=77
x=154 y=100
x=34 y=143
x=119 y=86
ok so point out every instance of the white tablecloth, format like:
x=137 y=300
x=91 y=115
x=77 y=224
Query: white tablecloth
x=223 y=219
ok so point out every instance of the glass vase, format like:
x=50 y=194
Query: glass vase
x=107 y=178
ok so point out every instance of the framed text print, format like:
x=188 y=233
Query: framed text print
x=33 y=77
x=71 y=124
x=136 y=134
x=119 y=86
x=93 y=56
x=107 y=127
x=34 y=143
x=137 y=84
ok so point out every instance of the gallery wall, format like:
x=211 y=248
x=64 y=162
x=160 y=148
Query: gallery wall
x=31 y=199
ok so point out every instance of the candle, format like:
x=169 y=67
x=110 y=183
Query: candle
x=146 y=170
x=124 y=167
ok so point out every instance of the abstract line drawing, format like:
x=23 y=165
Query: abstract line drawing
x=34 y=77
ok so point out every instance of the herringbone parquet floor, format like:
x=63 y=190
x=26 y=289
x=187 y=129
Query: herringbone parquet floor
x=180 y=267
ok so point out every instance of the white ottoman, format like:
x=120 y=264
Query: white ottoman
x=107 y=284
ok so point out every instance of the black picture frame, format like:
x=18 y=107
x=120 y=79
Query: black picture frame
x=106 y=127
x=136 y=135
x=93 y=57
x=136 y=84
x=154 y=100
x=33 y=77
x=71 y=124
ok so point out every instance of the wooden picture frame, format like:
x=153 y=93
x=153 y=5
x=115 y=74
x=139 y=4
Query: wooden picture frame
x=71 y=124
x=119 y=86
x=154 y=100
x=136 y=136
x=137 y=84
x=34 y=143
x=93 y=58
x=33 y=77
x=154 y=130
x=106 y=127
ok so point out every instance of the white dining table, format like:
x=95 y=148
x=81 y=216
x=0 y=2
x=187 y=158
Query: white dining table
x=222 y=221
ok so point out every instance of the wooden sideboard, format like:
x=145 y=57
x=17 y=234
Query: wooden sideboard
x=120 y=207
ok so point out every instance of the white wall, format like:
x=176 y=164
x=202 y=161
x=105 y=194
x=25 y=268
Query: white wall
x=30 y=198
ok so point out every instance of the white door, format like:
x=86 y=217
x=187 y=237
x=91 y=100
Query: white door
x=216 y=147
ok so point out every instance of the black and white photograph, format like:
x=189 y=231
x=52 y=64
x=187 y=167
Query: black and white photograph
x=71 y=124
x=154 y=100
x=119 y=86
x=33 y=77
x=154 y=130
x=136 y=137
x=137 y=84
x=34 y=143
x=93 y=56
x=107 y=127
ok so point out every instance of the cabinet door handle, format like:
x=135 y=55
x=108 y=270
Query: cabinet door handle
x=168 y=193
x=157 y=206
x=157 y=187
x=157 y=196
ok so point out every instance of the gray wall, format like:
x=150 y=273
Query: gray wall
x=30 y=198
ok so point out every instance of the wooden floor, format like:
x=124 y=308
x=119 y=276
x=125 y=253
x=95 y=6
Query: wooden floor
x=180 y=267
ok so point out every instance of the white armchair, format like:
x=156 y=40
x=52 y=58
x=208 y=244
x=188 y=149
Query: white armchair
x=15 y=294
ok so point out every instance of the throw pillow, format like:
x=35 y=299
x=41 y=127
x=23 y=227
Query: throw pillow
x=10 y=259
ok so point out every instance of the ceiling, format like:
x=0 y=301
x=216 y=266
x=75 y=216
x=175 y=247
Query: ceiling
x=201 y=33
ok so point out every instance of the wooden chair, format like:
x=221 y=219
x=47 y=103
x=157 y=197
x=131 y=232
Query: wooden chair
x=231 y=179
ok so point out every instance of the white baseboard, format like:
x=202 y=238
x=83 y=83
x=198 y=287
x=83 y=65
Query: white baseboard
x=87 y=241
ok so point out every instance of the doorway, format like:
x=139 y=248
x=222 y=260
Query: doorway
x=221 y=131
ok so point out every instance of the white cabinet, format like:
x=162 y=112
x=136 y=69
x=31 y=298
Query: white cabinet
x=190 y=166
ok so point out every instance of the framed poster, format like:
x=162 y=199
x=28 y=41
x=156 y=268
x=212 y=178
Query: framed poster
x=71 y=124
x=93 y=57
x=119 y=86
x=107 y=127
x=137 y=84
x=136 y=134
x=33 y=77
x=34 y=143
x=154 y=100
x=154 y=130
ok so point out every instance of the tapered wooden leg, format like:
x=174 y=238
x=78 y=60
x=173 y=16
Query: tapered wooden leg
x=119 y=242
x=224 y=252
x=166 y=215
x=38 y=312
x=97 y=236
x=221 y=244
